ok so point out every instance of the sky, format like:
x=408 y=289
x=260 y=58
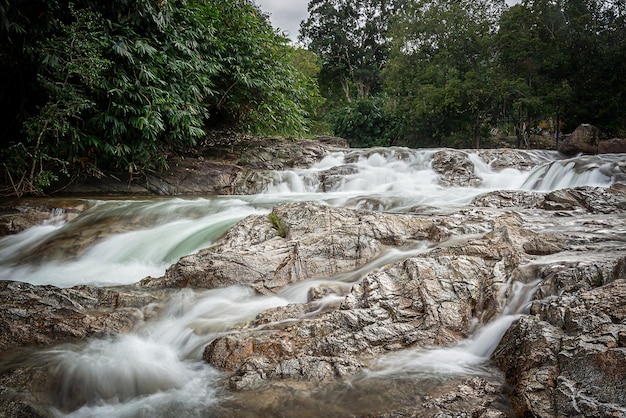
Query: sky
x=286 y=15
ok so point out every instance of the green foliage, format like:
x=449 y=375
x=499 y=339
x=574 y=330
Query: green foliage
x=450 y=71
x=366 y=123
x=279 y=225
x=260 y=88
x=559 y=59
x=97 y=85
x=308 y=64
x=440 y=70
x=350 y=39
x=121 y=85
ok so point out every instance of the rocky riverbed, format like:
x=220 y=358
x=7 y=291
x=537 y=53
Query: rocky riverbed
x=380 y=294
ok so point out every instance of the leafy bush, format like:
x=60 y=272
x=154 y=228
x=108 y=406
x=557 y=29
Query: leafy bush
x=120 y=85
x=366 y=123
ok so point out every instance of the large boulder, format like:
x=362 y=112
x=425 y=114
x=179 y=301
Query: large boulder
x=299 y=241
x=454 y=168
x=569 y=357
x=612 y=146
x=43 y=315
x=600 y=200
x=583 y=140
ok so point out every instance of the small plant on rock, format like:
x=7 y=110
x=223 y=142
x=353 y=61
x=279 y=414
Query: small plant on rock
x=279 y=225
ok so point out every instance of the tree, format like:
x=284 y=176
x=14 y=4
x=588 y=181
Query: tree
x=120 y=85
x=559 y=58
x=529 y=64
x=350 y=38
x=440 y=71
x=595 y=42
x=308 y=64
x=259 y=89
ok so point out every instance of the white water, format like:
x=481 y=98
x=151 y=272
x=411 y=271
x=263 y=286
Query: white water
x=157 y=370
x=466 y=358
x=120 y=242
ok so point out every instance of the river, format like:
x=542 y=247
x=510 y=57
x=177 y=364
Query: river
x=157 y=369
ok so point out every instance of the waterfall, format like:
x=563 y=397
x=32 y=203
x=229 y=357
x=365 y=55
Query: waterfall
x=118 y=242
x=468 y=356
x=574 y=172
x=157 y=369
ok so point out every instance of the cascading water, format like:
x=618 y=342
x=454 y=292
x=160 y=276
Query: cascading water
x=465 y=358
x=157 y=370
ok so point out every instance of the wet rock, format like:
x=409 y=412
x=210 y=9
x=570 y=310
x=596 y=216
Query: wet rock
x=569 y=357
x=42 y=315
x=590 y=199
x=584 y=140
x=249 y=181
x=587 y=199
x=543 y=245
x=362 y=398
x=321 y=241
x=508 y=199
x=431 y=299
x=573 y=277
x=472 y=397
x=402 y=154
x=229 y=164
x=192 y=176
x=612 y=146
x=17 y=397
x=21 y=214
x=499 y=159
x=454 y=168
x=330 y=289
x=332 y=177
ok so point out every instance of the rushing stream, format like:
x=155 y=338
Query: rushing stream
x=157 y=370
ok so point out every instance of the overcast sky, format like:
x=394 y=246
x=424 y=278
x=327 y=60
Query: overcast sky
x=287 y=14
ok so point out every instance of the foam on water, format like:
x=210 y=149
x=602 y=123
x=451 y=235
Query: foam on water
x=122 y=241
x=129 y=241
x=157 y=371
x=465 y=358
x=159 y=363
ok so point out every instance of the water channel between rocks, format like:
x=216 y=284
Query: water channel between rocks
x=162 y=366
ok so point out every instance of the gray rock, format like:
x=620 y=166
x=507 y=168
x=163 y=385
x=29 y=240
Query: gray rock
x=501 y=158
x=454 y=168
x=43 y=315
x=430 y=299
x=321 y=241
x=569 y=357
x=584 y=140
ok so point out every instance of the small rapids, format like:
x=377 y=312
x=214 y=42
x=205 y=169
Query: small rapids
x=118 y=242
x=466 y=358
x=158 y=371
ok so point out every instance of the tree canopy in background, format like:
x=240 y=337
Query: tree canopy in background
x=119 y=84
x=97 y=85
x=350 y=39
x=452 y=71
x=440 y=70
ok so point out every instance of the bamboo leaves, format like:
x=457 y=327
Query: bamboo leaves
x=120 y=84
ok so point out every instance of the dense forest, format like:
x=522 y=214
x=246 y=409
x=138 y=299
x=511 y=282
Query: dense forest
x=94 y=85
